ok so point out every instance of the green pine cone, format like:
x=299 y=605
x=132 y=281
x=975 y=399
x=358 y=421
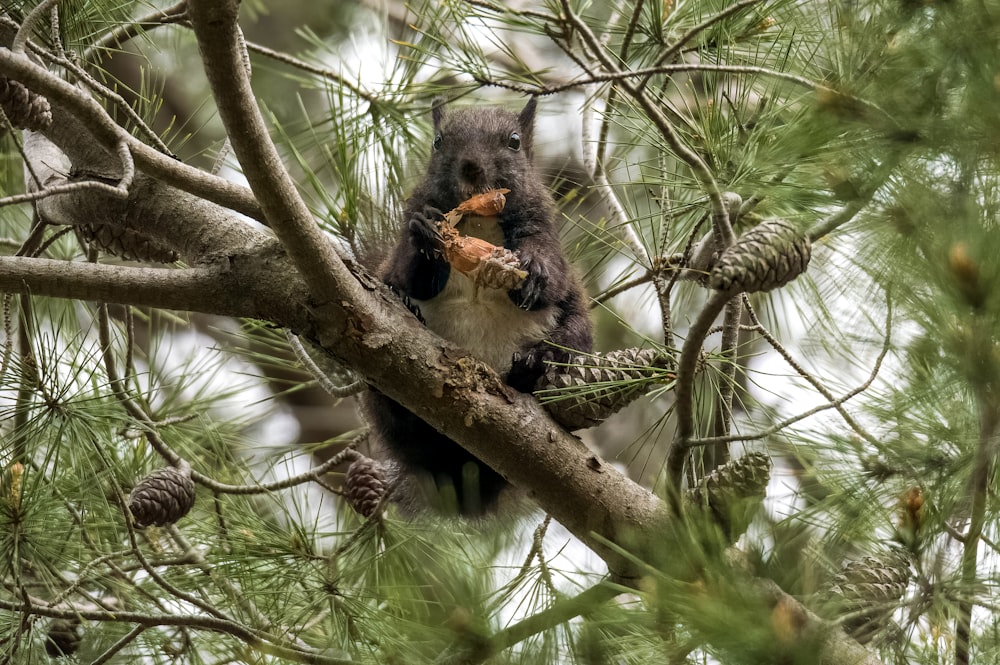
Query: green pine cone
x=587 y=389
x=733 y=491
x=866 y=592
x=23 y=108
x=162 y=497
x=767 y=256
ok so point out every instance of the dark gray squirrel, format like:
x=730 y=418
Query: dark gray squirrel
x=517 y=331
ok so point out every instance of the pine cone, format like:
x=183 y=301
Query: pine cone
x=500 y=270
x=733 y=491
x=23 y=108
x=573 y=393
x=127 y=244
x=63 y=638
x=162 y=497
x=767 y=256
x=868 y=591
x=364 y=485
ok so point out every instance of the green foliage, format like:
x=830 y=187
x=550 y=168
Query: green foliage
x=869 y=125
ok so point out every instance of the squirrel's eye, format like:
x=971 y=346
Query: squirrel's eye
x=437 y=141
x=514 y=142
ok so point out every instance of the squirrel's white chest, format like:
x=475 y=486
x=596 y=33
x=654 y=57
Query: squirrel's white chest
x=484 y=321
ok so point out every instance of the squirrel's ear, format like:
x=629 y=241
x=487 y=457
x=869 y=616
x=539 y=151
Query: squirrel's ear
x=526 y=119
x=437 y=111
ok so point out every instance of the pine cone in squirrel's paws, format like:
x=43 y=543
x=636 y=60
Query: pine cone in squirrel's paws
x=23 y=108
x=867 y=591
x=63 y=638
x=767 y=256
x=587 y=389
x=162 y=497
x=364 y=485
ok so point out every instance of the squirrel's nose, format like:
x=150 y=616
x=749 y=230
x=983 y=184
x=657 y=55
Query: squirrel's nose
x=472 y=172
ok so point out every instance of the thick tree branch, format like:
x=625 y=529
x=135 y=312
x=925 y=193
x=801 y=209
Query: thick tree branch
x=221 y=46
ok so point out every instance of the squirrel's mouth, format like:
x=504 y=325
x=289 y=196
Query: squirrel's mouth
x=468 y=190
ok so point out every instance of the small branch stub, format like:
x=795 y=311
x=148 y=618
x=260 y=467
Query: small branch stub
x=162 y=497
x=767 y=256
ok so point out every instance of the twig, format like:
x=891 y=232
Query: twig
x=729 y=361
x=123 y=33
x=619 y=218
x=208 y=623
x=94 y=185
x=228 y=588
x=28 y=24
x=321 y=376
x=125 y=640
x=150 y=426
x=693 y=32
x=684 y=391
x=560 y=612
x=109 y=134
x=313 y=69
x=720 y=213
x=644 y=278
x=620 y=76
x=107 y=93
x=832 y=404
x=813 y=381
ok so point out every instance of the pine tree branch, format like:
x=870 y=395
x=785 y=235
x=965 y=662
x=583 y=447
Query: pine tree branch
x=693 y=32
x=558 y=613
x=720 y=214
x=94 y=121
x=123 y=33
x=220 y=43
x=834 y=403
x=191 y=289
x=207 y=623
x=684 y=390
x=983 y=468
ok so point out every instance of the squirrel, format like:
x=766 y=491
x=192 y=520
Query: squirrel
x=516 y=332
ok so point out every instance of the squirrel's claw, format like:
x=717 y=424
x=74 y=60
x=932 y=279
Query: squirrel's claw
x=423 y=229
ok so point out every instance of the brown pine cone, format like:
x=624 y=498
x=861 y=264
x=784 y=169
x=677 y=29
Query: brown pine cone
x=23 y=108
x=733 y=491
x=63 y=638
x=573 y=393
x=162 y=497
x=364 y=485
x=868 y=590
x=767 y=256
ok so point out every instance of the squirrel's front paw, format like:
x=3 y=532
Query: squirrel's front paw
x=423 y=229
x=528 y=366
x=528 y=296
